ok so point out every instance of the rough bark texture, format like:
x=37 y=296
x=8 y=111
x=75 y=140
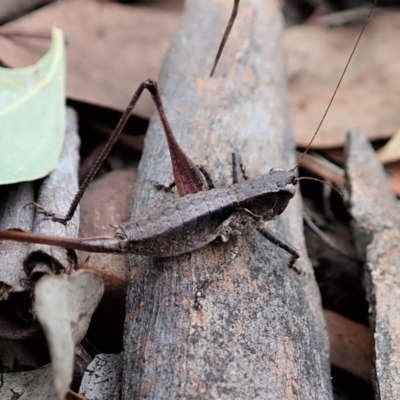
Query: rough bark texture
x=375 y=211
x=102 y=379
x=261 y=332
x=16 y=322
x=55 y=195
x=14 y=213
x=37 y=384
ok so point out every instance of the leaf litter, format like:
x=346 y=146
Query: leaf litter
x=30 y=146
x=369 y=93
x=64 y=306
x=332 y=137
x=107 y=56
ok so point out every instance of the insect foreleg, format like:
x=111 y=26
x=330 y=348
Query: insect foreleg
x=229 y=229
x=277 y=241
x=236 y=238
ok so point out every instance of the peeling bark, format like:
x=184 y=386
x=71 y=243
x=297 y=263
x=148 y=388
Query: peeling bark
x=375 y=210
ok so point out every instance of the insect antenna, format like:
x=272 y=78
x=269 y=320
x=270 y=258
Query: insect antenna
x=228 y=28
x=337 y=86
x=308 y=178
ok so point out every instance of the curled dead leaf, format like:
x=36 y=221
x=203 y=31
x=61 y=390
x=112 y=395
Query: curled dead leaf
x=64 y=306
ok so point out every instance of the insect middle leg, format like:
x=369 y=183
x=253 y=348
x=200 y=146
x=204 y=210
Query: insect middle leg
x=277 y=241
x=207 y=176
x=238 y=171
x=230 y=230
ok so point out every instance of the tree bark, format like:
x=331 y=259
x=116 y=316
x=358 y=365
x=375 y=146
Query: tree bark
x=376 y=221
x=261 y=332
x=55 y=195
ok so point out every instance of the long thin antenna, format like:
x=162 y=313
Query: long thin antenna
x=228 y=28
x=309 y=178
x=337 y=86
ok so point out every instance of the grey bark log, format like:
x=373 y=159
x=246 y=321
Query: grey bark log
x=55 y=195
x=102 y=379
x=16 y=321
x=16 y=352
x=14 y=214
x=37 y=384
x=375 y=211
x=261 y=332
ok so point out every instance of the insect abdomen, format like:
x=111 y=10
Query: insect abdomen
x=180 y=225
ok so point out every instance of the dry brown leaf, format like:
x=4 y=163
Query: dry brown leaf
x=368 y=97
x=106 y=204
x=352 y=345
x=335 y=154
x=393 y=171
x=10 y=8
x=395 y=184
x=64 y=306
x=111 y=48
x=172 y=5
x=390 y=152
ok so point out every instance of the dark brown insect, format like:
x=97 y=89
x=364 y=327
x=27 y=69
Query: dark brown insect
x=202 y=213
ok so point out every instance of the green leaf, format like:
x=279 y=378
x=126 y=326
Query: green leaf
x=32 y=116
